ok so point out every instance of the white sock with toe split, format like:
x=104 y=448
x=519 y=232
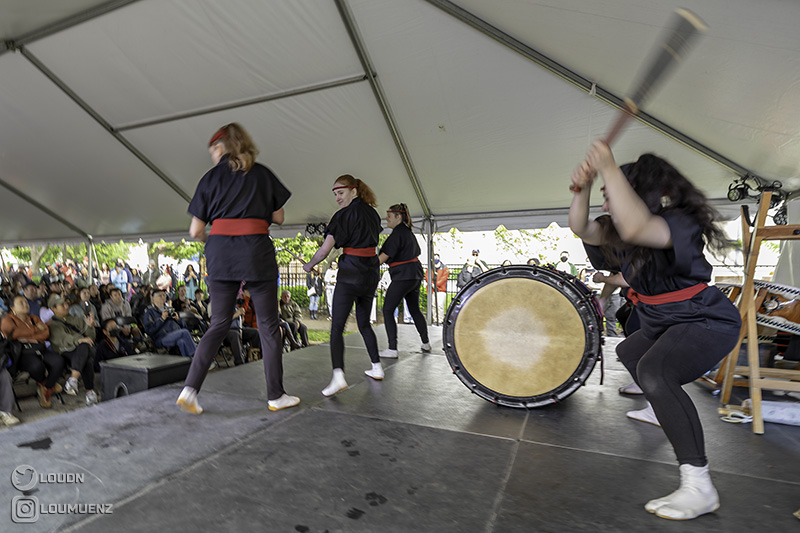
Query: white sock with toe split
x=696 y=496
x=376 y=372
x=188 y=401
x=644 y=415
x=283 y=402
x=631 y=388
x=337 y=383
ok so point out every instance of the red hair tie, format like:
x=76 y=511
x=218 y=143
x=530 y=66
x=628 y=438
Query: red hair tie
x=221 y=134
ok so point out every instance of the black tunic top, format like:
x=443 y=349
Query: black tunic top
x=672 y=269
x=223 y=193
x=356 y=226
x=401 y=245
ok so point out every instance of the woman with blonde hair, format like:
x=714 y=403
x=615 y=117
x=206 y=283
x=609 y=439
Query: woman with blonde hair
x=354 y=228
x=240 y=198
x=401 y=251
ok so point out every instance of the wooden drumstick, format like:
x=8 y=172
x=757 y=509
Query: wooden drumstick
x=303 y=261
x=676 y=43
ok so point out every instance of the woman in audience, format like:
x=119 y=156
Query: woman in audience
x=105 y=274
x=240 y=198
x=44 y=366
x=190 y=278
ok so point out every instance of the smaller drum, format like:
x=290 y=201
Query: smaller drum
x=523 y=336
x=781 y=307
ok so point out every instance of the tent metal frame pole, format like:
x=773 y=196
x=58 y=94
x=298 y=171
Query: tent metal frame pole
x=585 y=84
x=43 y=208
x=383 y=102
x=64 y=24
x=242 y=103
x=432 y=291
x=58 y=82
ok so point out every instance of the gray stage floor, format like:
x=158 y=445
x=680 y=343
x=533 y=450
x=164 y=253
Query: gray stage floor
x=416 y=452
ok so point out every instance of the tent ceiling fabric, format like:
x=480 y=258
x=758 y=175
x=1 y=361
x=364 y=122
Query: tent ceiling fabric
x=491 y=134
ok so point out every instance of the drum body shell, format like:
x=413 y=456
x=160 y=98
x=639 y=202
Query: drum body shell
x=523 y=336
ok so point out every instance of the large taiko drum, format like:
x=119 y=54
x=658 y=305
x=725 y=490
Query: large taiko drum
x=523 y=336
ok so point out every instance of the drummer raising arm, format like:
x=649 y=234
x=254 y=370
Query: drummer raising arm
x=660 y=225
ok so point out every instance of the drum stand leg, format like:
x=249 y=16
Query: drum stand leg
x=750 y=301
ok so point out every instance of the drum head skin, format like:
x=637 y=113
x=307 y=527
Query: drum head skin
x=519 y=337
x=523 y=336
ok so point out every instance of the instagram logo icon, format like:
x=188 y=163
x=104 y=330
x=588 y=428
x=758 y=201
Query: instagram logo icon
x=24 y=509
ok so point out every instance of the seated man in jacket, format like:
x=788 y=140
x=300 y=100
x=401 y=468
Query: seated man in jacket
x=73 y=338
x=165 y=327
x=34 y=356
x=112 y=345
x=290 y=312
x=117 y=306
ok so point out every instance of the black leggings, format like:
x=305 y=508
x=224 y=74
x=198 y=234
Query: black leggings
x=81 y=359
x=683 y=353
x=264 y=295
x=50 y=365
x=343 y=298
x=398 y=290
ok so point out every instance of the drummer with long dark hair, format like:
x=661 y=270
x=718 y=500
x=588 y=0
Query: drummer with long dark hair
x=661 y=223
x=240 y=198
x=354 y=228
x=401 y=251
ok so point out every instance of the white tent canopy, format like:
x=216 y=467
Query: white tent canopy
x=106 y=107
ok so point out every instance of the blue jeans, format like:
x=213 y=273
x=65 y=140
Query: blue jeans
x=180 y=338
x=313 y=303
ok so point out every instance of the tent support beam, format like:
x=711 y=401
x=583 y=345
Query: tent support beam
x=58 y=82
x=383 y=102
x=64 y=24
x=250 y=101
x=44 y=209
x=583 y=83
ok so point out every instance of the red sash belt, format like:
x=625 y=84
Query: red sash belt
x=360 y=252
x=395 y=263
x=240 y=226
x=667 y=297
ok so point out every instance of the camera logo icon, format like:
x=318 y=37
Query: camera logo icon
x=24 y=509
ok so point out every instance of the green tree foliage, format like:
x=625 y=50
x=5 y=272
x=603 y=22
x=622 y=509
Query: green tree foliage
x=36 y=256
x=301 y=246
x=176 y=250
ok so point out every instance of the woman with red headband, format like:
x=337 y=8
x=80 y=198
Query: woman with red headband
x=354 y=228
x=660 y=225
x=240 y=199
x=401 y=251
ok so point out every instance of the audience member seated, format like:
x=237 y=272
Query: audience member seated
x=7 y=399
x=115 y=307
x=73 y=338
x=290 y=312
x=94 y=297
x=181 y=302
x=165 y=327
x=35 y=358
x=140 y=301
x=34 y=300
x=84 y=306
x=199 y=304
x=6 y=384
x=112 y=345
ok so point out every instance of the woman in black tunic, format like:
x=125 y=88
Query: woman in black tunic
x=355 y=228
x=661 y=223
x=401 y=251
x=240 y=199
